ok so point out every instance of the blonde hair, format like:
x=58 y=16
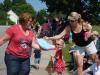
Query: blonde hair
x=76 y=16
x=87 y=26
x=61 y=41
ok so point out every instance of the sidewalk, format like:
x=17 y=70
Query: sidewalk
x=44 y=61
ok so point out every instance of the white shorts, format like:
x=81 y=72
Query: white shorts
x=89 y=49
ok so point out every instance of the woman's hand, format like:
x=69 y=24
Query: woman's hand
x=34 y=44
x=47 y=38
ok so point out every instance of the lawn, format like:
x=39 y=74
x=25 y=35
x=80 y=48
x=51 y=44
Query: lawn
x=97 y=28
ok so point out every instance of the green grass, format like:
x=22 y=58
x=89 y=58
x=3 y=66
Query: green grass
x=66 y=53
x=97 y=28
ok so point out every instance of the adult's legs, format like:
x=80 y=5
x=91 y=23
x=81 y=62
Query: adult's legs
x=79 y=63
x=17 y=66
x=12 y=64
x=25 y=67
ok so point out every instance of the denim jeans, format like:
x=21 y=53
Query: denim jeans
x=37 y=60
x=17 y=66
x=30 y=51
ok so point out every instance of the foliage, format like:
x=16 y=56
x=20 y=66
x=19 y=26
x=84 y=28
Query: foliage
x=3 y=17
x=24 y=8
x=42 y=16
x=19 y=2
x=66 y=53
x=18 y=6
x=97 y=28
x=7 y=5
x=88 y=8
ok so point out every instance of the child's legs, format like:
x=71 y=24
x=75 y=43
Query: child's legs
x=37 y=61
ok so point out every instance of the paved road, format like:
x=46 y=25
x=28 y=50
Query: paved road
x=43 y=64
x=2 y=53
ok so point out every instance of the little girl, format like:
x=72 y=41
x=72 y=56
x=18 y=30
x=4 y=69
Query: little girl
x=59 y=66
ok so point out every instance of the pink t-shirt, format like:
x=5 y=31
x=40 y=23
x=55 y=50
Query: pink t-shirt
x=19 y=44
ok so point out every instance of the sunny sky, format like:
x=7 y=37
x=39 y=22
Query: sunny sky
x=38 y=5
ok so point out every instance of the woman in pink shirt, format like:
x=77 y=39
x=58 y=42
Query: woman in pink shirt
x=21 y=39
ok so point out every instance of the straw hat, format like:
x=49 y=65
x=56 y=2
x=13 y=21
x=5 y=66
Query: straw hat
x=74 y=16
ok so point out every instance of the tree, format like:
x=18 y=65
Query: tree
x=19 y=2
x=42 y=16
x=18 y=6
x=87 y=8
x=7 y=5
x=24 y=8
x=56 y=5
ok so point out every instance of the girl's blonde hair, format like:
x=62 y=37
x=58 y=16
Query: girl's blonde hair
x=61 y=41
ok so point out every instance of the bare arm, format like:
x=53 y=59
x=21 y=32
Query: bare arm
x=34 y=43
x=4 y=38
x=66 y=30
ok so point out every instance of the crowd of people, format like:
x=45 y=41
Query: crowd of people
x=22 y=38
x=83 y=39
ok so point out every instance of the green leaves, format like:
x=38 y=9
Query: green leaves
x=18 y=6
x=87 y=8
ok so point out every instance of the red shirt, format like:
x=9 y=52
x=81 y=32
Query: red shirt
x=45 y=26
x=59 y=54
x=19 y=44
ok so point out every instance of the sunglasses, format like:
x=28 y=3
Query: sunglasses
x=58 y=44
x=72 y=20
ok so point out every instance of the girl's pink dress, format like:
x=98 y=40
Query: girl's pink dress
x=59 y=64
